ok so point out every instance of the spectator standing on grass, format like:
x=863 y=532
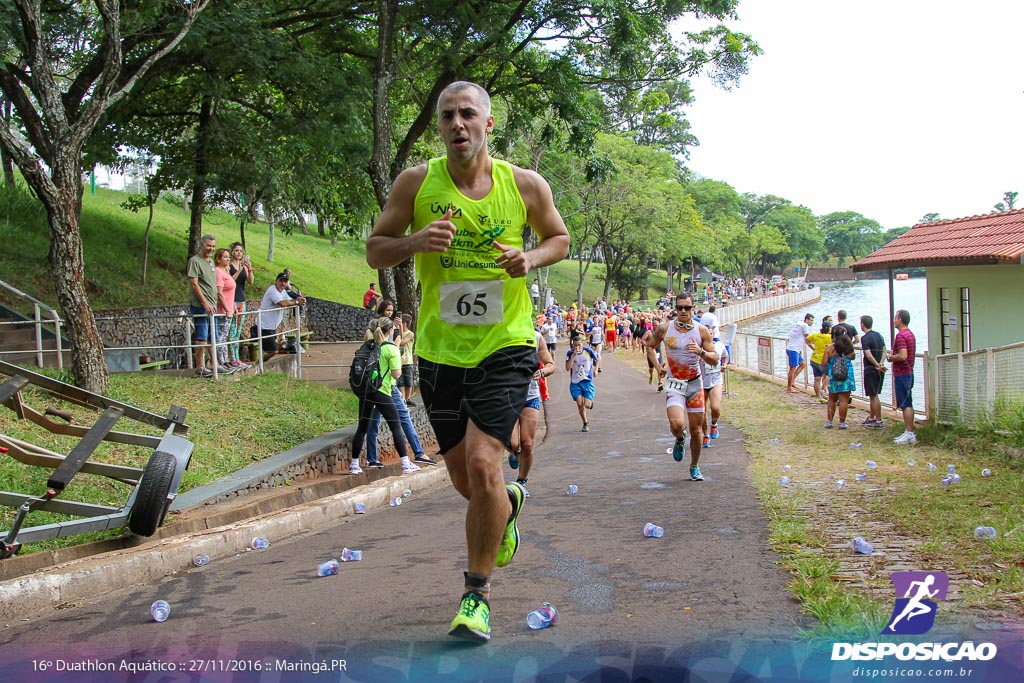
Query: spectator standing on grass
x=242 y=272
x=904 y=349
x=874 y=371
x=202 y=279
x=275 y=300
x=794 y=351
x=819 y=341
x=839 y=352
x=225 y=307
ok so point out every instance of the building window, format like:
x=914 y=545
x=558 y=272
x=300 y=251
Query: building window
x=944 y=319
x=965 y=319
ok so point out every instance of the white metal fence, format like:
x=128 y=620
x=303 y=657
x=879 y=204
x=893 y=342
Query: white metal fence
x=979 y=386
x=755 y=308
x=746 y=352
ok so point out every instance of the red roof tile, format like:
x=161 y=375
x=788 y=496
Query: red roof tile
x=976 y=240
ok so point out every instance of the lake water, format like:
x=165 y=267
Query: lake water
x=857 y=298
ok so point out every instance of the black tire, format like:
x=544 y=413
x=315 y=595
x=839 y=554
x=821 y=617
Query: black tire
x=151 y=502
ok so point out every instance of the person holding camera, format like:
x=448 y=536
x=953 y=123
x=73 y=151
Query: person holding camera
x=241 y=270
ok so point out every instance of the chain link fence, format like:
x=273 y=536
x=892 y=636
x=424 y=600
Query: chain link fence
x=980 y=387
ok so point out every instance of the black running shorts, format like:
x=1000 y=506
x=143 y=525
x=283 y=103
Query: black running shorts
x=491 y=394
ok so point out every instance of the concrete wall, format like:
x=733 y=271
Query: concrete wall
x=996 y=308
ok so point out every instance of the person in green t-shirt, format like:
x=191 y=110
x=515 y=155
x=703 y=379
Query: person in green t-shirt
x=465 y=213
x=390 y=366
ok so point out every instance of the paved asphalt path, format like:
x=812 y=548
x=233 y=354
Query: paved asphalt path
x=706 y=596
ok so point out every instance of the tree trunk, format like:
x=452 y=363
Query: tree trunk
x=150 y=200
x=320 y=221
x=68 y=266
x=270 y=238
x=195 y=224
x=241 y=231
x=5 y=158
x=302 y=222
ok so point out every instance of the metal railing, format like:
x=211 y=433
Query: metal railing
x=38 y=308
x=766 y=356
x=978 y=387
x=181 y=354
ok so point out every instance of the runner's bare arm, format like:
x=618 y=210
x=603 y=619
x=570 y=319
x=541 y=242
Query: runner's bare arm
x=545 y=220
x=707 y=347
x=547 y=363
x=388 y=245
x=657 y=337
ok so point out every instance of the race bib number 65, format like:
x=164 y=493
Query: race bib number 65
x=472 y=303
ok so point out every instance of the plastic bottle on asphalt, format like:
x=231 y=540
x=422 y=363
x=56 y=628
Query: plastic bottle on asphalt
x=201 y=560
x=871 y=464
x=984 y=533
x=572 y=490
x=328 y=568
x=160 y=610
x=859 y=545
x=783 y=481
x=653 y=530
x=348 y=555
x=840 y=484
x=542 y=617
x=395 y=502
x=861 y=477
x=986 y=472
x=259 y=543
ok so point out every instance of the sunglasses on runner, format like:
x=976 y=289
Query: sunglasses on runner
x=684 y=308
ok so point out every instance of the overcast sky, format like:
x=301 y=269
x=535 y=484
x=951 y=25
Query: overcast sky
x=893 y=108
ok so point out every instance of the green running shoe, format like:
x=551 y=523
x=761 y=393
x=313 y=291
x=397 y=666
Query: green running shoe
x=510 y=541
x=695 y=474
x=472 y=623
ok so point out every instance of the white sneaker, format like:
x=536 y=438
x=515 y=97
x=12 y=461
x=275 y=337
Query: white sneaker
x=906 y=437
x=355 y=469
x=410 y=468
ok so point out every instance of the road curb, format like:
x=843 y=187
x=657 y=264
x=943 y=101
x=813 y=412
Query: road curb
x=87 y=578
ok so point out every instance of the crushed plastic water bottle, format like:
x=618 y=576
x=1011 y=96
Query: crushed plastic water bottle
x=406 y=493
x=861 y=477
x=871 y=464
x=951 y=468
x=956 y=478
x=947 y=480
x=912 y=463
x=783 y=481
x=786 y=468
x=840 y=484
x=984 y=533
x=348 y=555
x=328 y=568
x=360 y=509
x=201 y=560
x=986 y=472
x=653 y=530
x=572 y=490
x=394 y=502
x=259 y=543
x=542 y=617
x=931 y=467
x=775 y=441
x=854 y=446
x=160 y=610
x=859 y=545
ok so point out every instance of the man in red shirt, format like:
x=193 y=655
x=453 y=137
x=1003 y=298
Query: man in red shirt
x=370 y=295
x=904 y=349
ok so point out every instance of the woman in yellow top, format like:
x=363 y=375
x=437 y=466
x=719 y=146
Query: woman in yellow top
x=820 y=340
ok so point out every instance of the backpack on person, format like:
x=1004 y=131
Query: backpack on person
x=839 y=369
x=365 y=376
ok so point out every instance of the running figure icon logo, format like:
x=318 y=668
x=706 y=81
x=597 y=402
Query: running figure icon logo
x=914 y=612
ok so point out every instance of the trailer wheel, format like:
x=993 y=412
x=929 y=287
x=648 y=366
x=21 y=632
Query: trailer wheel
x=151 y=502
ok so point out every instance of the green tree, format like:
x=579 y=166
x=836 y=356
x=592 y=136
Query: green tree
x=799 y=229
x=848 y=233
x=1009 y=199
x=65 y=66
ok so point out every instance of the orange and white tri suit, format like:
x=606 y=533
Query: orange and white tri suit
x=683 y=385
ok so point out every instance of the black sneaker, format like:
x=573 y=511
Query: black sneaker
x=376 y=464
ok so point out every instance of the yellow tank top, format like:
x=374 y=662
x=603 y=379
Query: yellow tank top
x=471 y=307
